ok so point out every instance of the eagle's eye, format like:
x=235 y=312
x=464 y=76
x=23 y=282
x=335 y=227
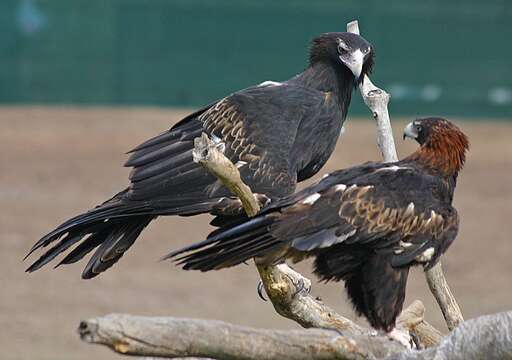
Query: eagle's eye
x=342 y=46
x=418 y=128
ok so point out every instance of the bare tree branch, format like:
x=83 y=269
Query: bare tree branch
x=441 y=290
x=486 y=337
x=284 y=286
x=377 y=101
x=180 y=337
x=209 y=155
x=288 y=292
x=412 y=318
x=287 y=289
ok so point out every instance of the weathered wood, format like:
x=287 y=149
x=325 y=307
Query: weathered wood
x=412 y=318
x=441 y=290
x=170 y=337
x=288 y=292
x=284 y=286
x=210 y=155
x=287 y=289
x=377 y=101
x=486 y=337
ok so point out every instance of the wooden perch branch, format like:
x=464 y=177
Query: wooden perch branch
x=444 y=297
x=412 y=319
x=209 y=155
x=178 y=337
x=377 y=101
x=486 y=337
x=284 y=286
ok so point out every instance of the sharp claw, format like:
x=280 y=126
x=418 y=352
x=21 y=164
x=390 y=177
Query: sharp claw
x=261 y=290
x=415 y=341
x=300 y=287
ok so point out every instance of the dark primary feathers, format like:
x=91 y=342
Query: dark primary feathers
x=277 y=133
x=365 y=225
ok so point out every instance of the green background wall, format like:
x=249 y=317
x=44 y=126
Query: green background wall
x=434 y=56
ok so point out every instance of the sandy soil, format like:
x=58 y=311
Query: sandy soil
x=56 y=162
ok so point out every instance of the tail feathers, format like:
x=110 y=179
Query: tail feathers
x=111 y=227
x=111 y=238
x=85 y=247
x=229 y=247
x=77 y=224
x=375 y=288
x=114 y=244
x=339 y=262
x=62 y=246
x=378 y=291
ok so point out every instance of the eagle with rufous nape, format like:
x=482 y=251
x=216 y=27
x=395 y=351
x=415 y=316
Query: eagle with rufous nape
x=365 y=225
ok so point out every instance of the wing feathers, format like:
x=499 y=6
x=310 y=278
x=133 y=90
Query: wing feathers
x=114 y=246
x=159 y=167
x=229 y=247
x=85 y=247
x=188 y=124
x=48 y=256
x=144 y=158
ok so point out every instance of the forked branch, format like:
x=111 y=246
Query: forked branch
x=286 y=288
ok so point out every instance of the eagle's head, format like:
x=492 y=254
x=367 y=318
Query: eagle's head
x=343 y=49
x=442 y=144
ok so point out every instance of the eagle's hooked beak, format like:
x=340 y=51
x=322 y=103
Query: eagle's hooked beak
x=354 y=61
x=410 y=131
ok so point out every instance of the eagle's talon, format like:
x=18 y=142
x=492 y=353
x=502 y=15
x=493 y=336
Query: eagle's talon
x=261 y=290
x=415 y=340
x=300 y=287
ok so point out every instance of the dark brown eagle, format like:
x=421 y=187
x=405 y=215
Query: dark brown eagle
x=365 y=225
x=277 y=133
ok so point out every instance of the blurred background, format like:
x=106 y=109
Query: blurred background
x=82 y=82
x=434 y=56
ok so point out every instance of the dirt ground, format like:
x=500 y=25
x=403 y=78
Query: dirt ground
x=56 y=162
